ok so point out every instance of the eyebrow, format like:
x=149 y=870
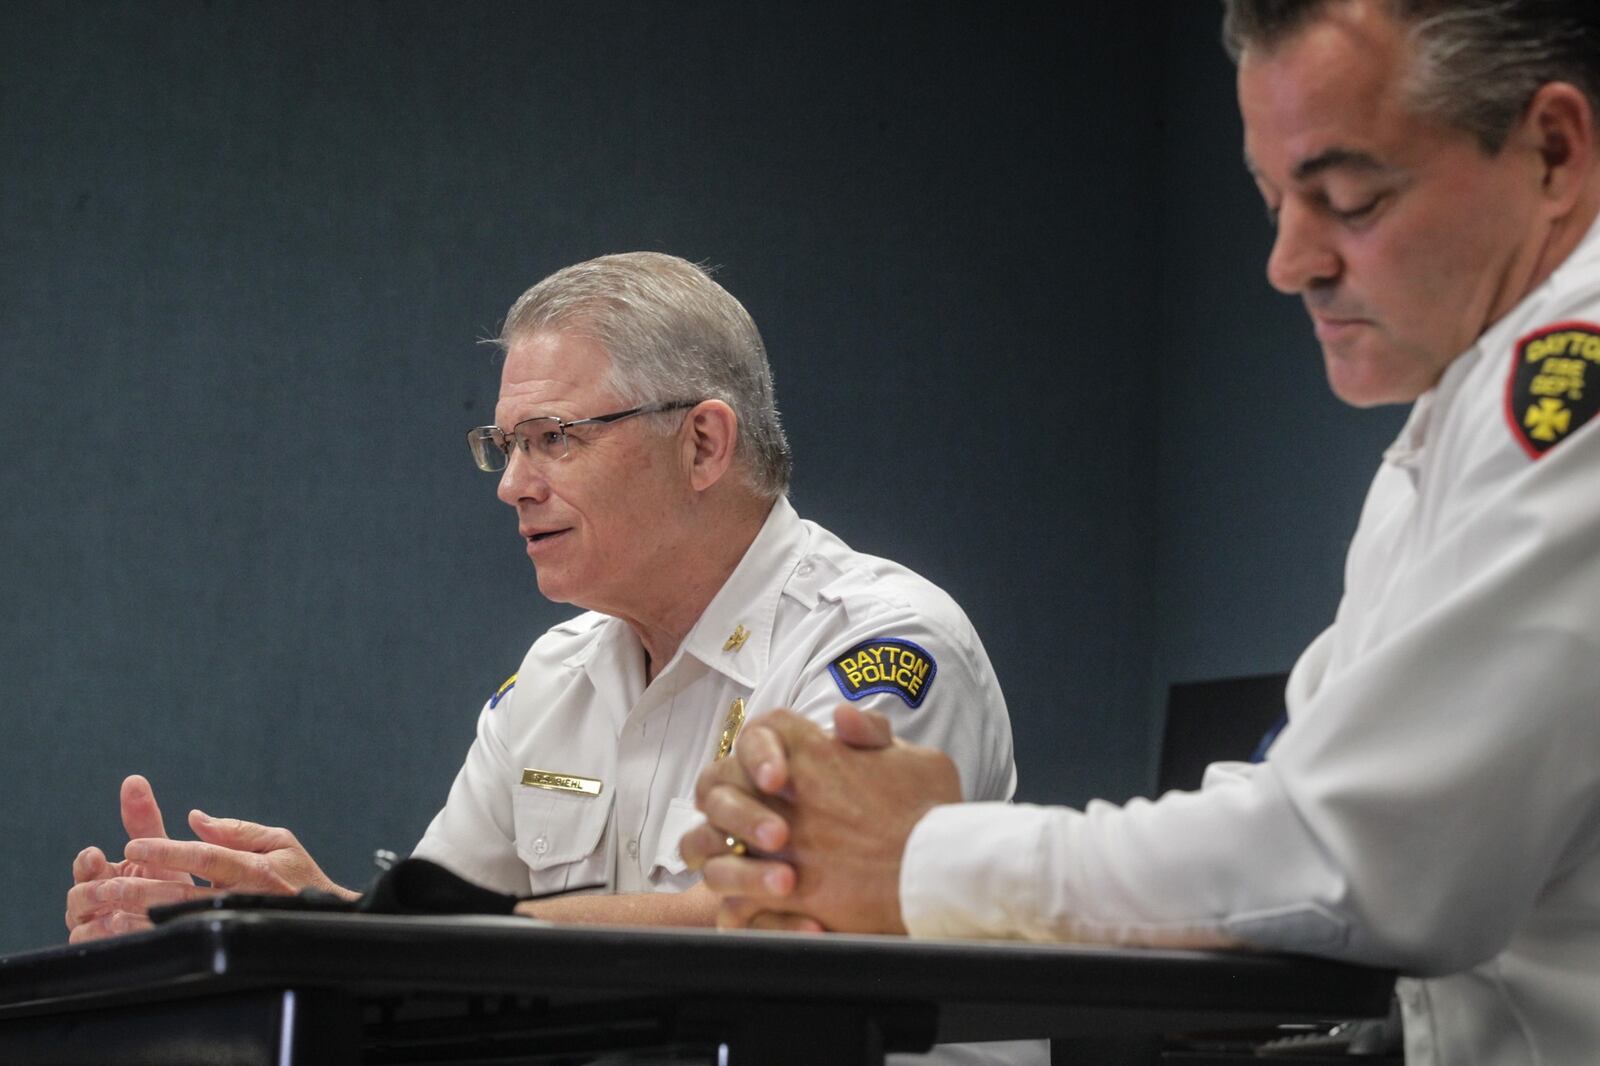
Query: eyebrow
x=1332 y=159
x=1335 y=158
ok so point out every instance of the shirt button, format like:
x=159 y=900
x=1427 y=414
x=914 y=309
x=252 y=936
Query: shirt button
x=540 y=845
x=633 y=849
x=803 y=569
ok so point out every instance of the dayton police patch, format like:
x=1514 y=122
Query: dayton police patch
x=885 y=665
x=500 y=693
x=1549 y=394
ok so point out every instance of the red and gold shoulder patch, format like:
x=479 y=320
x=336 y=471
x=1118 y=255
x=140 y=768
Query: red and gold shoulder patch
x=1549 y=394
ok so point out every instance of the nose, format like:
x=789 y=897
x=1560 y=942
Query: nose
x=522 y=479
x=1303 y=256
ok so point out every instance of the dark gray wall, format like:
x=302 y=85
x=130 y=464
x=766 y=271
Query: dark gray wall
x=1260 y=471
x=249 y=250
x=1007 y=265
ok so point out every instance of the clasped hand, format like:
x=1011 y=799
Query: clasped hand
x=108 y=897
x=825 y=818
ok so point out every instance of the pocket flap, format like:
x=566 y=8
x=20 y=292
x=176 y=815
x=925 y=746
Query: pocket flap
x=556 y=828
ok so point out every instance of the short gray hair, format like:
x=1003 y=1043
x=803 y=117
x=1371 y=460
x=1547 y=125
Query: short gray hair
x=672 y=334
x=1479 y=61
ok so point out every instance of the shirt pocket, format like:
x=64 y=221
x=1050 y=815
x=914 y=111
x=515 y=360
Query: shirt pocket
x=559 y=837
x=669 y=871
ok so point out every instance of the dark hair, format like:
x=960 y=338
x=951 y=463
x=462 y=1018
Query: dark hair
x=1479 y=62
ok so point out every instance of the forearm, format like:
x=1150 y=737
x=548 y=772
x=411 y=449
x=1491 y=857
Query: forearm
x=696 y=907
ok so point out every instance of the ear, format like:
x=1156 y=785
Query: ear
x=1560 y=123
x=710 y=434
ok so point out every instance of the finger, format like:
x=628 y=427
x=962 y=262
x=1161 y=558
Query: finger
x=742 y=815
x=85 y=905
x=114 y=924
x=141 y=817
x=91 y=865
x=136 y=895
x=861 y=728
x=765 y=881
x=728 y=772
x=240 y=835
x=777 y=921
x=702 y=843
x=223 y=867
x=762 y=756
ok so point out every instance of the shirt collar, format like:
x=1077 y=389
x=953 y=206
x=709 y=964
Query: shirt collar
x=746 y=604
x=734 y=634
x=1408 y=447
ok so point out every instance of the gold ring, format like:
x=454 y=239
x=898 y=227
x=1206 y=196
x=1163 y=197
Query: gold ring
x=734 y=844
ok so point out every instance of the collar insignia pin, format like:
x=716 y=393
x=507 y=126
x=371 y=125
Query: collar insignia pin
x=736 y=640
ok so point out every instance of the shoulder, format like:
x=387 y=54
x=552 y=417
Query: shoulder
x=864 y=588
x=1547 y=358
x=569 y=637
x=554 y=654
x=881 y=626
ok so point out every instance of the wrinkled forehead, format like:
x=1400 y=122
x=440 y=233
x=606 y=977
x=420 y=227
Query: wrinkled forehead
x=553 y=372
x=1338 y=83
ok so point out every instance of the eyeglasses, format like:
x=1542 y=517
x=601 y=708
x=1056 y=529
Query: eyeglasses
x=544 y=439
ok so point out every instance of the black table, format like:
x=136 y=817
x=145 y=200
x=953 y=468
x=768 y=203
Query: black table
x=274 y=988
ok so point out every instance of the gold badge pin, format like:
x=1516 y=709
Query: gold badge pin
x=736 y=639
x=730 y=729
x=588 y=786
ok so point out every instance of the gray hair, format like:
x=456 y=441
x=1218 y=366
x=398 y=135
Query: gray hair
x=672 y=334
x=1479 y=61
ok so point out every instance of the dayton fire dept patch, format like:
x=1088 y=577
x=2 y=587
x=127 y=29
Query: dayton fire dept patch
x=885 y=665
x=1550 y=395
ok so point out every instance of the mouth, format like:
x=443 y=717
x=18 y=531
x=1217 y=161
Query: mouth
x=537 y=537
x=1330 y=330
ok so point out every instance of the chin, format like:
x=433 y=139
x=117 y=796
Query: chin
x=551 y=587
x=1358 y=384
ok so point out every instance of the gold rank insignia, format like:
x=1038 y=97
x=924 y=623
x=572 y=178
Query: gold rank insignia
x=736 y=639
x=730 y=730
x=1548 y=396
x=588 y=786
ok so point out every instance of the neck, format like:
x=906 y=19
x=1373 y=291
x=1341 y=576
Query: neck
x=1564 y=236
x=702 y=563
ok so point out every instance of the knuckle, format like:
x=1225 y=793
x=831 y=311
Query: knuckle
x=207 y=863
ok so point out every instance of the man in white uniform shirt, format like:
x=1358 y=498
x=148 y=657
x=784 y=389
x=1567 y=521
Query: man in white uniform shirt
x=638 y=441
x=1434 y=803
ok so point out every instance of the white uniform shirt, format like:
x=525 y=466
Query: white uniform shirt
x=807 y=607
x=579 y=708
x=1435 y=801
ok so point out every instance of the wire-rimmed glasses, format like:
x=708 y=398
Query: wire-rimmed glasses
x=544 y=437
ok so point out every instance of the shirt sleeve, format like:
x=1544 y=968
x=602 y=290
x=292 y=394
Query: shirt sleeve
x=957 y=707
x=473 y=834
x=1420 y=801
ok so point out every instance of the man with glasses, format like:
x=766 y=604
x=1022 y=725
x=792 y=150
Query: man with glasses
x=1432 y=168
x=638 y=442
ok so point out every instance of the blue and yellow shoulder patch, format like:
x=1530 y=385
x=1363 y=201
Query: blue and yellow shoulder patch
x=499 y=693
x=1548 y=395
x=885 y=665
